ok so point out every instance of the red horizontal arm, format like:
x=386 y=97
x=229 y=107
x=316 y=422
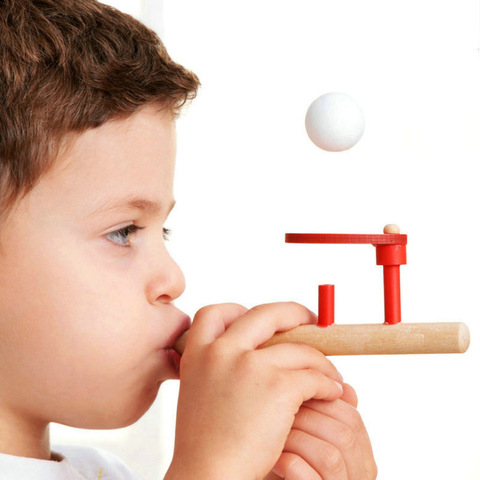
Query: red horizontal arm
x=347 y=238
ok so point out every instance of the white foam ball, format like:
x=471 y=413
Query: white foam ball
x=335 y=122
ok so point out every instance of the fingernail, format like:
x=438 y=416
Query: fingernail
x=339 y=386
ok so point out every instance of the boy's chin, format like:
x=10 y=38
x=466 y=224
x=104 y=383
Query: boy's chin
x=116 y=416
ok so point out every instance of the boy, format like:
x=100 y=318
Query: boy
x=87 y=320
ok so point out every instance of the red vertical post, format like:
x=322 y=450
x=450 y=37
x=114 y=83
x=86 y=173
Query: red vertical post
x=326 y=305
x=391 y=257
x=391 y=287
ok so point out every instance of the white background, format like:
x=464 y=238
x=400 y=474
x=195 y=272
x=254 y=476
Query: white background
x=247 y=173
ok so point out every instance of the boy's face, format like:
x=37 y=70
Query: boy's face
x=86 y=313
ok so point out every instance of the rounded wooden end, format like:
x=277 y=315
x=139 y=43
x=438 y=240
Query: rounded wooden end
x=463 y=338
x=179 y=346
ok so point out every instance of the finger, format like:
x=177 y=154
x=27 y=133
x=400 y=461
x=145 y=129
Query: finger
x=339 y=424
x=260 y=323
x=349 y=395
x=295 y=356
x=322 y=456
x=311 y=384
x=293 y=467
x=340 y=411
x=212 y=321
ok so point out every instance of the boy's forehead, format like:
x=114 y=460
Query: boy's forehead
x=124 y=164
x=147 y=132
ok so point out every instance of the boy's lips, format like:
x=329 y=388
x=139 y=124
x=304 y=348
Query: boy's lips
x=167 y=350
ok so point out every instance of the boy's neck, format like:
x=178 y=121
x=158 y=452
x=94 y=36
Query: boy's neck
x=23 y=438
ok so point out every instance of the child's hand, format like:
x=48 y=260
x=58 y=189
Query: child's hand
x=237 y=404
x=328 y=441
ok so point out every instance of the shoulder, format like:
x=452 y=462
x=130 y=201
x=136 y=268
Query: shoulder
x=95 y=463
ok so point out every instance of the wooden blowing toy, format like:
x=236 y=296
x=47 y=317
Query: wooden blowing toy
x=390 y=337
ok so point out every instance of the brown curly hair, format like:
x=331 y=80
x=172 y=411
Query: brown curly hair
x=71 y=65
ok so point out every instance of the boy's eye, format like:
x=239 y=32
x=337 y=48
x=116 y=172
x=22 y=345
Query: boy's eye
x=123 y=236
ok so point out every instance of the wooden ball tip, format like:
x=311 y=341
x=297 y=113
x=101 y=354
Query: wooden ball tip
x=391 y=228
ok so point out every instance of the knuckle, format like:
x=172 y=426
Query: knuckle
x=356 y=423
x=285 y=388
x=347 y=439
x=306 y=416
x=257 y=309
x=282 y=305
x=333 y=460
x=353 y=419
x=295 y=306
x=215 y=353
x=218 y=309
x=204 y=312
x=249 y=365
x=291 y=463
x=282 y=386
x=292 y=304
x=248 y=368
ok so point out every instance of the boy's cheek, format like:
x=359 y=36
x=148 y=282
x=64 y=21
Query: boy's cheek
x=57 y=297
x=66 y=343
x=64 y=308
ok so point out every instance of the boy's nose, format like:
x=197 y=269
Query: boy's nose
x=166 y=284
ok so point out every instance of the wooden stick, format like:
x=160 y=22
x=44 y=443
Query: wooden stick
x=374 y=339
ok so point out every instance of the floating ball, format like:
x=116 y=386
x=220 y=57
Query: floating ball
x=335 y=122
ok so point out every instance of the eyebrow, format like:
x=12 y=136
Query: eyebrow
x=132 y=203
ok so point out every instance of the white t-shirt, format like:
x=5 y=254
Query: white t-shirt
x=75 y=463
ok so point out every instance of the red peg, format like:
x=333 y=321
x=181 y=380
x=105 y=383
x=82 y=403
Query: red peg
x=326 y=305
